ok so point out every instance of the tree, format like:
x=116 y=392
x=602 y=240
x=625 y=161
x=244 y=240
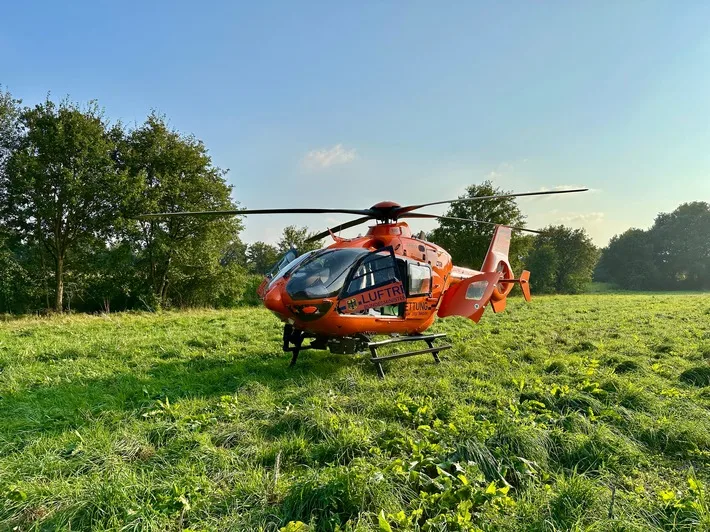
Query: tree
x=468 y=242
x=561 y=260
x=176 y=173
x=673 y=254
x=14 y=278
x=628 y=261
x=10 y=128
x=61 y=186
x=235 y=253
x=682 y=246
x=296 y=237
x=543 y=261
x=17 y=287
x=261 y=257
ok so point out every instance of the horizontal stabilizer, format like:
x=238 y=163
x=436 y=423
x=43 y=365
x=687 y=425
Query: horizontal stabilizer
x=524 y=283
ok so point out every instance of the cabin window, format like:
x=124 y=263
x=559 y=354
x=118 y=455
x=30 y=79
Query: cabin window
x=476 y=290
x=419 y=279
x=375 y=270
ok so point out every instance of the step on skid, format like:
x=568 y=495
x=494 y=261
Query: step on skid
x=293 y=343
x=428 y=338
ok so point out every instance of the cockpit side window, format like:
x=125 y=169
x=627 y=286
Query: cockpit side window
x=376 y=270
x=419 y=279
x=283 y=262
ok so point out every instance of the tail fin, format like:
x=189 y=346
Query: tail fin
x=497 y=256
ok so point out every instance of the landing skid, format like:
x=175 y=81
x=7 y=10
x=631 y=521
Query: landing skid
x=293 y=343
x=428 y=338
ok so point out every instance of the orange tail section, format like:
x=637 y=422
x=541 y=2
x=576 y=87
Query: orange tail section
x=497 y=256
x=470 y=296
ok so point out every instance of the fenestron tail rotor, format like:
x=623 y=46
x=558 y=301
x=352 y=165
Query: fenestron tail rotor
x=385 y=211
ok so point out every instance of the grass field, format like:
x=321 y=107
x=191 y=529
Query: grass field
x=568 y=413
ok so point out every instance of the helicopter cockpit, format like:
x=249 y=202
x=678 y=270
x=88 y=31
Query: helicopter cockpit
x=323 y=274
x=352 y=273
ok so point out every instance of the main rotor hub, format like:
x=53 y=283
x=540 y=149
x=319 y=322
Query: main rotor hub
x=384 y=211
x=384 y=205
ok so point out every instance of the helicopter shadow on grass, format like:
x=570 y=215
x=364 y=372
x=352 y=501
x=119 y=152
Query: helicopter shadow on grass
x=60 y=407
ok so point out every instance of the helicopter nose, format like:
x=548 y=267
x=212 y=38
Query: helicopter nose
x=272 y=301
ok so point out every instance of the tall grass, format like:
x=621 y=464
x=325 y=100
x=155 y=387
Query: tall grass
x=569 y=413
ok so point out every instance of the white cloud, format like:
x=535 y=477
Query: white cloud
x=502 y=169
x=326 y=157
x=589 y=217
x=493 y=175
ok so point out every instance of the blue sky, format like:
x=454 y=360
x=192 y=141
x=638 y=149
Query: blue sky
x=320 y=104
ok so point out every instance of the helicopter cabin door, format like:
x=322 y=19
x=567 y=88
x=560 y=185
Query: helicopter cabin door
x=373 y=287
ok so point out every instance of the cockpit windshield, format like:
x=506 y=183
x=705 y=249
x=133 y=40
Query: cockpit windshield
x=323 y=274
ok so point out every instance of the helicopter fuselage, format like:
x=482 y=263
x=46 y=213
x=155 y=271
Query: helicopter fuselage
x=392 y=283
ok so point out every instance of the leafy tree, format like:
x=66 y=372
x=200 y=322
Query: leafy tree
x=681 y=245
x=296 y=237
x=176 y=173
x=14 y=278
x=562 y=260
x=629 y=261
x=674 y=253
x=543 y=261
x=18 y=288
x=109 y=279
x=61 y=186
x=10 y=127
x=468 y=242
x=236 y=253
x=261 y=257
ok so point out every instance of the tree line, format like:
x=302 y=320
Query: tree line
x=561 y=259
x=73 y=187
x=674 y=254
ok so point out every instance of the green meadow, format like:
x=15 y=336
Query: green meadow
x=568 y=413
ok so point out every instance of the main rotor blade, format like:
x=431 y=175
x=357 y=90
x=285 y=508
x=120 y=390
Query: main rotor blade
x=240 y=212
x=340 y=227
x=409 y=208
x=471 y=220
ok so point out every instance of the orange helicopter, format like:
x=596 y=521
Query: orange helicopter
x=387 y=282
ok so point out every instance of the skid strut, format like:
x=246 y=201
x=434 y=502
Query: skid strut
x=296 y=337
x=428 y=338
